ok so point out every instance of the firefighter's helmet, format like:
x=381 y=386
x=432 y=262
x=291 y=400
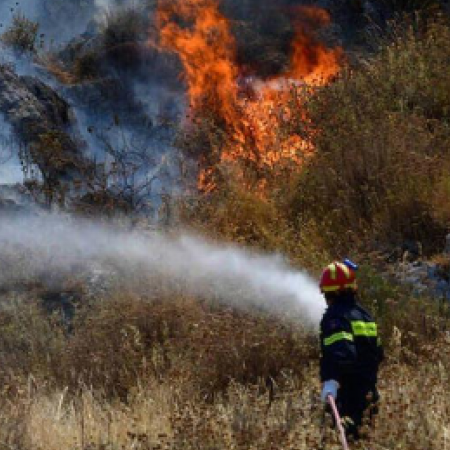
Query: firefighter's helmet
x=338 y=277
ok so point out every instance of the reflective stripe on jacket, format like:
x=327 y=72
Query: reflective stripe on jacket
x=350 y=342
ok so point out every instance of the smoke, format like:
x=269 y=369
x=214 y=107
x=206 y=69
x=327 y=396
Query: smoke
x=59 y=20
x=116 y=118
x=55 y=245
x=10 y=167
x=104 y=5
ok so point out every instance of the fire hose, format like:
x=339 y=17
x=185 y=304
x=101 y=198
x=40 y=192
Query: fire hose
x=338 y=421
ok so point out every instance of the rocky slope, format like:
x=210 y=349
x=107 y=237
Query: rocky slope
x=35 y=111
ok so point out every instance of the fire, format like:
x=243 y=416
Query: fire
x=206 y=49
x=253 y=117
x=312 y=62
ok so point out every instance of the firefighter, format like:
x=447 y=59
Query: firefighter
x=351 y=348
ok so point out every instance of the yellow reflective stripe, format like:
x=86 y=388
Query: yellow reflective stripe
x=367 y=329
x=330 y=288
x=333 y=272
x=338 y=337
x=336 y=287
x=345 y=269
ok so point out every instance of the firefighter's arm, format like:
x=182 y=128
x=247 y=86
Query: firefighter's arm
x=338 y=349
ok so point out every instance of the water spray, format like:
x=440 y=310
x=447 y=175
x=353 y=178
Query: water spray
x=52 y=246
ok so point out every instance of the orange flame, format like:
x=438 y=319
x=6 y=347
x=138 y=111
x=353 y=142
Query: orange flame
x=200 y=35
x=312 y=62
x=206 y=49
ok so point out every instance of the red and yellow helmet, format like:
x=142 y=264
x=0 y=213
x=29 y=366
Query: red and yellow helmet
x=336 y=277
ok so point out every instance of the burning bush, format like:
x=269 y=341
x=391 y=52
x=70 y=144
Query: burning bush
x=242 y=114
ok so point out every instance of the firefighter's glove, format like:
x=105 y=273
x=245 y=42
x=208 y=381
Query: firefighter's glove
x=330 y=387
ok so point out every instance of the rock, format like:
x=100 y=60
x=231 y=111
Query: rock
x=30 y=106
x=411 y=279
x=53 y=108
x=443 y=288
x=34 y=110
x=427 y=278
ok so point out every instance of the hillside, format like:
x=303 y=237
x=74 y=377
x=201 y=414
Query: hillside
x=174 y=174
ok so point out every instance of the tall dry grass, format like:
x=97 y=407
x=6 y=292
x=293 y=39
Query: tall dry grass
x=173 y=416
x=180 y=373
x=382 y=140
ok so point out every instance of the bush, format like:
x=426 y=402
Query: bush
x=409 y=5
x=86 y=66
x=382 y=143
x=50 y=152
x=419 y=321
x=122 y=342
x=22 y=35
x=117 y=344
x=124 y=25
x=31 y=344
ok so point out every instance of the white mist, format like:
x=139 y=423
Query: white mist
x=223 y=273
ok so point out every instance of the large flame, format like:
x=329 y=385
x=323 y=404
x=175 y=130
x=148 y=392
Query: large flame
x=206 y=49
x=253 y=115
x=312 y=62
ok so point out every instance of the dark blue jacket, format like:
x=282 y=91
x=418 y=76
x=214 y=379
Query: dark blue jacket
x=351 y=346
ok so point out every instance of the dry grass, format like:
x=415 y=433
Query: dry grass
x=382 y=146
x=173 y=416
x=141 y=373
x=183 y=339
